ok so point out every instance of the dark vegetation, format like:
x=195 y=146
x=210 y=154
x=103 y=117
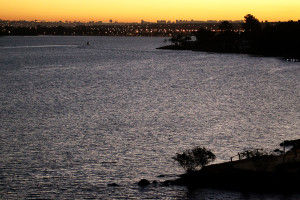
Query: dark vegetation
x=255 y=170
x=281 y=39
x=195 y=158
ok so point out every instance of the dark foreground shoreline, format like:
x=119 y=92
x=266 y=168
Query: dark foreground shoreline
x=239 y=179
x=267 y=173
x=261 y=173
x=192 y=46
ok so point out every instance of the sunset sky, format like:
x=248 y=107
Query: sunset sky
x=148 y=10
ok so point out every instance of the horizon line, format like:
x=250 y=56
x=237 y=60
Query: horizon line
x=141 y=21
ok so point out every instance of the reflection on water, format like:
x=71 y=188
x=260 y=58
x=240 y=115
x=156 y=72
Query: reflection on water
x=75 y=118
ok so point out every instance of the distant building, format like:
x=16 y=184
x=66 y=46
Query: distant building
x=196 y=22
x=230 y=21
x=144 y=22
x=188 y=22
x=181 y=21
x=99 y=23
x=161 y=21
x=238 y=21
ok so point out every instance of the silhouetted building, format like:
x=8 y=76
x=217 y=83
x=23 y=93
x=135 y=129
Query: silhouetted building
x=144 y=22
x=161 y=21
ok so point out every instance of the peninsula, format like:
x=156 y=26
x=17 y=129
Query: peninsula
x=279 y=173
x=280 y=40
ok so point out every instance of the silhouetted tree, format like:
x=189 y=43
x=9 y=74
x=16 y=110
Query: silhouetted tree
x=253 y=153
x=194 y=158
x=176 y=39
x=204 y=35
x=180 y=39
x=251 y=24
x=225 y=26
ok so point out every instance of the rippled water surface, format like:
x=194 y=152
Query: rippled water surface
x=75 y=118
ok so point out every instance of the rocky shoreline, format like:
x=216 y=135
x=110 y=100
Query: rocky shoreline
x=228 y=176
x=267 y=173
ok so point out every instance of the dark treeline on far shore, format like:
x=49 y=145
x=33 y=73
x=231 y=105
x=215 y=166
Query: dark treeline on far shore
x=250 y=37
x=111 y=29
x=280 y=39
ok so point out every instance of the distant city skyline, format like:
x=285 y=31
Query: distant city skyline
x=179 y=21
x=159 y=28
x=148 y=10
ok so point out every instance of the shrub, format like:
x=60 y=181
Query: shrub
x=253 y=153
x=195 y=158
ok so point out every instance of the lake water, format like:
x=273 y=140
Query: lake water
x=75 y=118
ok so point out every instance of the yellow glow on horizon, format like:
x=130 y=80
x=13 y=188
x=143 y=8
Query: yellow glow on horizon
x=148 y=10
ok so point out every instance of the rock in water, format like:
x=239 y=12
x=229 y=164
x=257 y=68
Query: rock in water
x=143 y=182
x=113 y=185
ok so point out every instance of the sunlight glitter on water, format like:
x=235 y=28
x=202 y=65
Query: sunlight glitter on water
x=75 y=118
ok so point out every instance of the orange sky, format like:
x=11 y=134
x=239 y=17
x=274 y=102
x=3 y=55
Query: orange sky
x=148 y=10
